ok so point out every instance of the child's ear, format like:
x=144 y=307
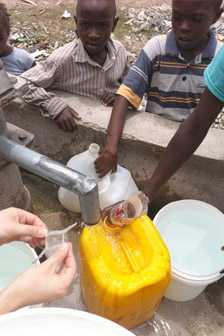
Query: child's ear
x=75 y=18
x=115 y=22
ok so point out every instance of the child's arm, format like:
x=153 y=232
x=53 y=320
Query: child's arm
x=108 y=159
x=39 y=78
x=130 y=93
x=192 y=132
x=186 y=140
x=135 y=85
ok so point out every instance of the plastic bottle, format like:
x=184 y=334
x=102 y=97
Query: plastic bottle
x=113 y=187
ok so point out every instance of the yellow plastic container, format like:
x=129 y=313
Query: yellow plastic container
x=124 y=271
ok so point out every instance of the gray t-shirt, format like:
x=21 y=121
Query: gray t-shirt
x=17 y=62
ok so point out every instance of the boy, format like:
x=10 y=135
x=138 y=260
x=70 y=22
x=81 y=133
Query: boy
x=169 y=69
x=91 y=66
x=192 y=132
x=15 y=60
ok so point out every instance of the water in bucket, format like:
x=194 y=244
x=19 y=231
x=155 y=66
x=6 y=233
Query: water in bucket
x=15 y=258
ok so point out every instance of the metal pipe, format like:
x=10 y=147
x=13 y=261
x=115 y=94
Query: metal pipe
x=57 y=173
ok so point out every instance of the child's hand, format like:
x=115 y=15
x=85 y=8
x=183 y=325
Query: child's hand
x=20 y=225
x=48 y=281
x=106 y=162
x=66 y=119
x=108 y=98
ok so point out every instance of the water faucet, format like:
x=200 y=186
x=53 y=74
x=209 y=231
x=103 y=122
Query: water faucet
x=41 y=165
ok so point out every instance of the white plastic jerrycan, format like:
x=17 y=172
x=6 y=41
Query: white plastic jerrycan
x=113 y=188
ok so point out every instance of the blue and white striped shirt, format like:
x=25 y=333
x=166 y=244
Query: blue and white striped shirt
x=173 y=85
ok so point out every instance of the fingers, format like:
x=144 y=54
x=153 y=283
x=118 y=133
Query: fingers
x=101 y=168
x=65 y=119
x=69 y=125
x=33 y=235
x=27 y=218
x=31 y=229
x=57 y=260
x=75 y=114
x=65 y=125
x=106 y=162
x=70 y=263
x=108 y=99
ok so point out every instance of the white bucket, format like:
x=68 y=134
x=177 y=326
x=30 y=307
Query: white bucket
x=15 y=258
x=194 y=234
x=57 y=322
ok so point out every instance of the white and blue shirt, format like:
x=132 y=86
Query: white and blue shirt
x=18 y=61
x=172 y=84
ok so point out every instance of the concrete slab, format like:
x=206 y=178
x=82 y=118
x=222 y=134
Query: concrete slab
x=145 y=138
x=142 y=126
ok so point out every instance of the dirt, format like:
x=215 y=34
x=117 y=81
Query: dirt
x=51 y=3
x=43 y=27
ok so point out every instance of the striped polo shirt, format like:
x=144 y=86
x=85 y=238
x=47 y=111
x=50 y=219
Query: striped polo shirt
x=173 y=86
x=70 y=69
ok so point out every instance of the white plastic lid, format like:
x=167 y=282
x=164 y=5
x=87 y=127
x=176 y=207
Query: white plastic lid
x=194 y=234
x=58 y=322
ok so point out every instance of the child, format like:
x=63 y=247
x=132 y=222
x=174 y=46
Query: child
x=192 y=132
x=92 y=65
x=169 y=69
x=15 y=60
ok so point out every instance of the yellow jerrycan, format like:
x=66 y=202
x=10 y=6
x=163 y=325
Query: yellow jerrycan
x=124 y=270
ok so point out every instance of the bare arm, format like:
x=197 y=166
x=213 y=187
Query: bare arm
x=108 y=159
x=186 y=140
x=116 y=124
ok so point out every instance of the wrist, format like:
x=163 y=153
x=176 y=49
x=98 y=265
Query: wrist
x=111 y=148
x=10 y=300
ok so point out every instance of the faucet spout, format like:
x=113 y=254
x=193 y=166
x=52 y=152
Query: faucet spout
x=43 y=166
x=57 y=173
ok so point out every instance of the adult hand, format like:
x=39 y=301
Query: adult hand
x=20 y=225
x=46 y=282
x=106 y=162
x=66 y=120
x=108 y=98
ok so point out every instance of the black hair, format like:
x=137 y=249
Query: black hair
x=4 y=17
x=113 y=4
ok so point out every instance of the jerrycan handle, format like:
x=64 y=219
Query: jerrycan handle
x=94 y=149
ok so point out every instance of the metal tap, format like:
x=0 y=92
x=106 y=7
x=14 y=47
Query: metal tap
x=55 y=172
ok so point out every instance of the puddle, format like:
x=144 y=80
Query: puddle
x=156 y=327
